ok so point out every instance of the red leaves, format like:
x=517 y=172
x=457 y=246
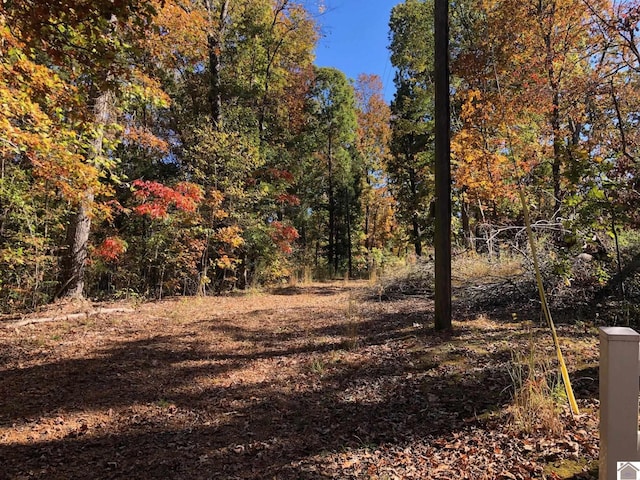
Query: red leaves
x=288 y=199
x=188 y=196
x=278 y=174
x=156 y=198
x=284 y=236
x=111 y=249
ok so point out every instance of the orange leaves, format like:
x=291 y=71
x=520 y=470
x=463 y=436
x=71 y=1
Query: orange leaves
x=144 y=138
x=179 y=34
x=524 y=90
x=482 y=168
x=475 y=108
x=111 y=249
x=213 y=203
x=283 y=236
x=374 y=131
x=156 y=199
x=225 y=262
x=485 y=174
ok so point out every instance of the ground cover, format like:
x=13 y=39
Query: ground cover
x=327 y=380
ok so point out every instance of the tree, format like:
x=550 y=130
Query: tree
x=40 y=166
x=333 y=113
x=264 y=53
x=374 y=134
x=409 y=168
x=529 y=90
x=82 y=40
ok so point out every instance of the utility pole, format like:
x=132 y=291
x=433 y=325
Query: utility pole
x=442 y=168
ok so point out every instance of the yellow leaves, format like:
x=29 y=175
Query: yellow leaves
x=35 y=122
x=482 y=173
x=230 y=236
x=470 y=106
x=181 y=34
x=148 y=90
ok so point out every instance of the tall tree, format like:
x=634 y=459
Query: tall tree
x=374 y=134
x=83 y=40
x=79 y=228
x=215 y=41
x=41 y=168
x=410 y=168
x=538 y=80
x=332 y=107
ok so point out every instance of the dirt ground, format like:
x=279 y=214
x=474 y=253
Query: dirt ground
x=307 y=382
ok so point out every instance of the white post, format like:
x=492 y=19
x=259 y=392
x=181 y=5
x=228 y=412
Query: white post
x=619 y=372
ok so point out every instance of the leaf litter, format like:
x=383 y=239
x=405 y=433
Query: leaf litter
x=316 y=381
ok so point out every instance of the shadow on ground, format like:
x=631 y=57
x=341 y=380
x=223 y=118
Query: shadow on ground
x=173 y=408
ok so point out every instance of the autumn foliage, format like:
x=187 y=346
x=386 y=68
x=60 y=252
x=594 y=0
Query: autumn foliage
x=165 y=147
x=156 y=199
x=111 y=249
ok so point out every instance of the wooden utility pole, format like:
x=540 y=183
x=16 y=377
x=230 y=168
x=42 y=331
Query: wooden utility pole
x=442 y=168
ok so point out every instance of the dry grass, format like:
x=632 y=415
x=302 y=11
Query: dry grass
x=537 y=394
x=474 y=268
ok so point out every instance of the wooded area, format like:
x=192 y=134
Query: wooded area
x=190 y=152
x=192 y=147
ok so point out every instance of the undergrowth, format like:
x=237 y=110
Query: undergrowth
x=537 y=394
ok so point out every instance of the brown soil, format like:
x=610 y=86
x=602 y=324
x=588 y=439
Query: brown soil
x=307 y=382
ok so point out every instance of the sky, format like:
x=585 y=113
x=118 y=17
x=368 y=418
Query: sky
x=355 y=39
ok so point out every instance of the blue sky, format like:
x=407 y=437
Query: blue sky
x=355 y=38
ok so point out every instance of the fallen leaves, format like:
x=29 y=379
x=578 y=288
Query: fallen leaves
x=262 y=386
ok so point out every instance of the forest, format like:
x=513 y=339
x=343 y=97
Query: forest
x=216 y=257
x=192 y=147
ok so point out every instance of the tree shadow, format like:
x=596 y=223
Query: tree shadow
x=385 y=395
x=321 y=290
x=363 y=405
x=138 y=370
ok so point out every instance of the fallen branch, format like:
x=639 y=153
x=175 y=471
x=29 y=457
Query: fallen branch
x=68 y=316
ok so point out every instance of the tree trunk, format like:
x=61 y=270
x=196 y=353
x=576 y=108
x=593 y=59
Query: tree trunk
x=349 y=253
x=204 y=269
x=373 y=228
x=271 y=57
x=554 y=85
x=557 y=151
x=215 y=96
x=415 y=224
x=79 y=228
x=332 y=254
x=417 y=243
x=75 y=260
x=367 y=236
x=214 y=47
x=466 y=225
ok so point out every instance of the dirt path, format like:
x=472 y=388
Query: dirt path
x=320 y=381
